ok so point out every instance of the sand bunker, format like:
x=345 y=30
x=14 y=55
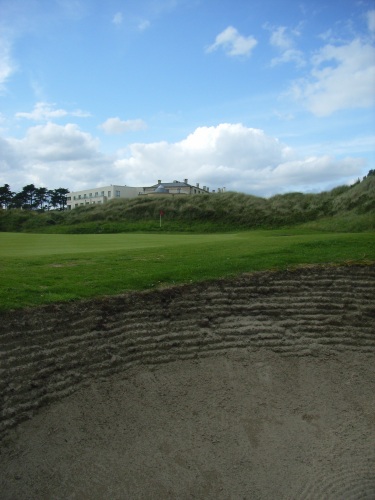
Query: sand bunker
x=258 y=387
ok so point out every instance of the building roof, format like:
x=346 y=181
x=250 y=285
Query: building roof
x=171 y=184
x=161 y=189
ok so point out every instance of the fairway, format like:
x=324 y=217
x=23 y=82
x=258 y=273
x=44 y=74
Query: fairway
x=25 y=245
x=43 y=268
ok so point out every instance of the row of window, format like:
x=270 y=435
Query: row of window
x=90 y=195
x=87 y=203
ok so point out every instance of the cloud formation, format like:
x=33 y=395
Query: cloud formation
x=117 y=18
x=233 y=43
x=54 y=156
x=342 y=76
x=283 y=40
x=371 y=21
x=117 y=126
x=236 y=157
x=44 y=111
x=227 y=155
x=144 y=25
x=7 y=66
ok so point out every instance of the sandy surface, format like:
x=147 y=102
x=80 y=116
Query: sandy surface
x=253 y=388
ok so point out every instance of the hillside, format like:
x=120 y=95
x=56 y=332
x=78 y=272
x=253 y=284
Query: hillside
x=345 y=208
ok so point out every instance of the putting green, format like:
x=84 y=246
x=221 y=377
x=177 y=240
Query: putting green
x=27 y=245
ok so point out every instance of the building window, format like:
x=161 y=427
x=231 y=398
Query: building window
x=90 y=195
x=96 y=194
x=118 y=193
x=79 y=196
x=102 y=193
x=109 y=194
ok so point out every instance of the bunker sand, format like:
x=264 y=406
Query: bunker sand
x=256 y=387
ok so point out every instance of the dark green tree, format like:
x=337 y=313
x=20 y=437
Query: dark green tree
x=59 y=198
x=42 y=198
x=30 y=194
x=6 y=196
x=19 y=200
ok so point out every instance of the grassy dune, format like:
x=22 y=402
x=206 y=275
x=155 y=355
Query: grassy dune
x=43 y=268
x=343 y=209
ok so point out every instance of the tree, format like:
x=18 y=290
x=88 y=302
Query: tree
x=19 y=200
x=30 y=193
x=33 y=198
x=59 y=198
x=42 y=198
x=6 y=196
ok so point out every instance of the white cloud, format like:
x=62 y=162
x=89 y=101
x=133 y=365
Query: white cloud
x=7 y=66
x=117 y=126
x=44 y=111
x=53 y=142
x=118 y=18
x=283 y=40
x=371 y=21
x=233 y=43
x=144 y=25
x=235 y=157
x=341 y=77
x=228 y=155
x=52 y=155
x=289 y=56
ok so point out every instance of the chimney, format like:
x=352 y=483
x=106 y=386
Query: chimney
x=185 y=181
x=159 y=181
x=197 y=184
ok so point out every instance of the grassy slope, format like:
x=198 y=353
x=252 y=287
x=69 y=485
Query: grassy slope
x=345 y=208
x=39 y=268
x=331 y=227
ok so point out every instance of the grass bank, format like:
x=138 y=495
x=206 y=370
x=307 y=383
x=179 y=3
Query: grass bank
x=343 y=209
x=43 y=268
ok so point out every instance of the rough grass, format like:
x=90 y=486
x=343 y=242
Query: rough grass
x=40 y=268
x=345 y=208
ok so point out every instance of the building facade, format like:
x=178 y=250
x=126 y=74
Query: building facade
x=174 y=188
x=100 y=195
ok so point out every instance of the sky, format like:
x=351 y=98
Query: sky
x=261 y=97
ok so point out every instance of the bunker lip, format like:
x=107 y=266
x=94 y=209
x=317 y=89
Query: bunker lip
x=259 y=384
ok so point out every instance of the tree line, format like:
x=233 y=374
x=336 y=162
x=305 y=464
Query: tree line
x=33 y=198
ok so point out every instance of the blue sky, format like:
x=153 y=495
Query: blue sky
x=261 y=97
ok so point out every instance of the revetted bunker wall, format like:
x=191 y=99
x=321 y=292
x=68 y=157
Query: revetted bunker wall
x=47 y=353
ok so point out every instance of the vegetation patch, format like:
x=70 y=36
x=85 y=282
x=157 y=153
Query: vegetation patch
x=344 y=208
x=43 y=268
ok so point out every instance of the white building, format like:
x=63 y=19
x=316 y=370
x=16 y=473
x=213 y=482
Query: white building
x=100 y=195
x=174 y=188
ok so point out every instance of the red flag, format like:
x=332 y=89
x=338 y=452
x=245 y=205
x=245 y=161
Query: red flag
x=161 y=213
